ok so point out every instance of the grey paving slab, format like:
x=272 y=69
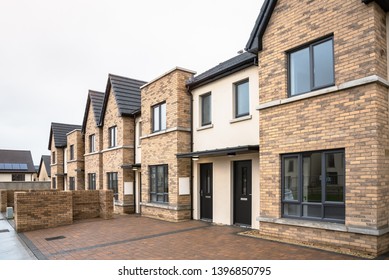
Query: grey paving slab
x=11 y=246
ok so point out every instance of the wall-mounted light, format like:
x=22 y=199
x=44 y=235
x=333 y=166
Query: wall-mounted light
x=135 y=168
x=231 y=154
x=195 y=158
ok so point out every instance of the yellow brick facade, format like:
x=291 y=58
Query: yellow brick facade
x=161 y=148
x=351 y=116
x=75 y=166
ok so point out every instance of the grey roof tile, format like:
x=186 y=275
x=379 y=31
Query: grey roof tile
x=59 y=131
x=227 y=67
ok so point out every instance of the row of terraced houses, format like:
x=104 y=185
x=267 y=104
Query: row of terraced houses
x=290 y=137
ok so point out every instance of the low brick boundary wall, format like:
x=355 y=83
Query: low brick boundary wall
x=86 y=204
x=37 y=210
x=46 y=209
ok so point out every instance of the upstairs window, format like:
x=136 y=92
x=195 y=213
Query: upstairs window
x=159 y=117
x=71 y=152
x=53 y=157
x=242 y=107
x=112 y=131
x=311 y=67
x=205 y=100
x=92 y=139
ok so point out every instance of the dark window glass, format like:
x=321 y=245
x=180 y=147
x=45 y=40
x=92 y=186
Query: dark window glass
x=53 y=157
x=54 y=183
x=71 y=183
x=159 y=117
x=18 y=177
x=159 y=190
x=206 y=109
x=242 y=99
x=313 y=185
x=312 y=67
x=113 y=183
x=92 y=181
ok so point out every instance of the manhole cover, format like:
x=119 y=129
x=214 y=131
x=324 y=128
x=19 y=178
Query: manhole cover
x=55 y=238
x=4 y=230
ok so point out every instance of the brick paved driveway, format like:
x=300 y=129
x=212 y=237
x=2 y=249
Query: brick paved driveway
x=134 y=237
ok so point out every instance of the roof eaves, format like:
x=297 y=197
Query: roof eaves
x=254 y=44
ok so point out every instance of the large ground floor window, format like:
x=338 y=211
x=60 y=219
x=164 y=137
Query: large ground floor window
x=313 y=185
x=159 y=190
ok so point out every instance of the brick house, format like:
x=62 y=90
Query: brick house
x=323 y=118
x=75 y=160
x=58 y=145
x=44 y=170
x=225 y=142
x=119 y=110
x=93 y=136
x=166 y=132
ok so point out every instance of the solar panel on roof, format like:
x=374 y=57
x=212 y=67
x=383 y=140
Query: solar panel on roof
x=23 y=166
x=7 y=166
x=2 y=166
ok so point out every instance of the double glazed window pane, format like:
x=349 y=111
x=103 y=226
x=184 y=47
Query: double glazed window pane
x=300 y=72
x=159 y=117
x=312 y=177
x=206 y=109
x=311 y=68
x=242 y=99
x=323 y=64
x=291 y=172
x=334 y=177
x=159 y=183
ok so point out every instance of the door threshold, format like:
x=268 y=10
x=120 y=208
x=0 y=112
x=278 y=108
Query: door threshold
x=242 y=226
x=206 y=220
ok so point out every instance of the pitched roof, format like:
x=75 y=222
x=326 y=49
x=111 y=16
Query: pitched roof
x=45 y=160
x=225 y=68
x=96 y=99
x=16 y=161
x=254 y=44
x=59 y=131
x=384 y=4
x=127 y=95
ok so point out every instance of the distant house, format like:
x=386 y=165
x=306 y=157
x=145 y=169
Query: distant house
x=44 y=169
x=58 y=145
x=16 y=166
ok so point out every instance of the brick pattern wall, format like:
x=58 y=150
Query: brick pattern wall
x=75 y=167
x=359 y=40
x=93 y=162
x=46 y=209
x=355 y=119
x=3 y=200
x=37 y=210
x=124 y=154
x=162 y=148
x=356 y=243
x=57 y=167
x=106 y=204
x=86 y=204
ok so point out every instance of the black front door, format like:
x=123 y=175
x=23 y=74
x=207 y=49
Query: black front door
x=242 y=192
x=206 y=191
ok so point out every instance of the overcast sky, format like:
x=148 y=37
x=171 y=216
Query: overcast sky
x=53 y=52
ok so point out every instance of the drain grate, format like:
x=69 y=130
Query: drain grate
x=55 y=238
x=4 y=230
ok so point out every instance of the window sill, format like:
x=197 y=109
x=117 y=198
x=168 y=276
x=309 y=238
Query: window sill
x=241 y=119
x=165 y=131
x=344 y=86
x=208 y=126
x=323 y=225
